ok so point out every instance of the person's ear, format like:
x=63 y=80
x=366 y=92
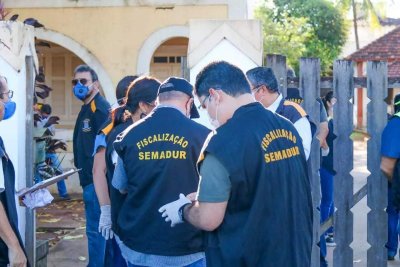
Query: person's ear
x=142 y=107
x=215 y=94
x=1 y=111
x=189 y=106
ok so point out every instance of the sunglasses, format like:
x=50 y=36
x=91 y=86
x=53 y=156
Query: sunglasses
x=82 y=81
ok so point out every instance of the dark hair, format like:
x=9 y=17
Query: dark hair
x=46 y=108
x=290 y=73
x=397 y=103
x=142 y=89
x=123 y=85
x=263 y=76
x=327 y=98
x=86 y=68
x=223 y=76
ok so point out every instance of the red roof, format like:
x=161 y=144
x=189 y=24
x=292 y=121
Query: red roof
x=394 y=69
x=386 y=48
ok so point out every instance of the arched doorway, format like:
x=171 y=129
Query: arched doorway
x=168 y=60
x=84 y=54
x=58 y=64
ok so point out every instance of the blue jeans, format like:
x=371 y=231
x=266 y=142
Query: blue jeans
x=393 y=223
x=96 y=242
x=113 y=254
x=327 y=206
x=55 y=163
x=199 y=263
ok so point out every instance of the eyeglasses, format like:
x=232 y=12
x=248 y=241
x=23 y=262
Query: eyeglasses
x=10 y=94
x=255 y=89
x=203 y=102
x=82 y=81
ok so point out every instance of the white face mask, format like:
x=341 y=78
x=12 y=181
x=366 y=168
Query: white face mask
x=214 y=122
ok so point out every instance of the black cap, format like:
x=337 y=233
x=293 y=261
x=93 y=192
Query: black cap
x=293 y=94
x=179 y=85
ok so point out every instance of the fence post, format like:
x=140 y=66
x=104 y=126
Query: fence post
x=30 y=229
x=309 y=87
x=377 y=85
x=278 y=64
x=343 y=87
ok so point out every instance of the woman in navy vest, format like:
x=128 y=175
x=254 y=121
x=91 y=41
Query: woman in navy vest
x=139 y=99
x=11 y=246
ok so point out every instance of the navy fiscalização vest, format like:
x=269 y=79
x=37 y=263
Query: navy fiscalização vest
x=115 y=196
x=294 y=112
x=90 y=119
x=7 y=198
x=268 y=220
x=159 y=154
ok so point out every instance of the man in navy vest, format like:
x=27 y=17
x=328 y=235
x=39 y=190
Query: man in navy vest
x=390 y=166
x=91 y=117
x=254 y=196
x=11 y=246
x=265 y=90
x=158 y=156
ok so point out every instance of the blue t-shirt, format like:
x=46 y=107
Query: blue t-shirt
x=391 y=139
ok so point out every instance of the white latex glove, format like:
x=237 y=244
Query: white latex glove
x=105 y=222
x=171 y=211
x=325 y=152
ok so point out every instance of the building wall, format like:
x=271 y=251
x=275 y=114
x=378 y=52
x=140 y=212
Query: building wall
x=114 y=35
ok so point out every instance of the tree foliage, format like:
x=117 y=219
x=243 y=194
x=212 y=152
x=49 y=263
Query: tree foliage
x=316 y=27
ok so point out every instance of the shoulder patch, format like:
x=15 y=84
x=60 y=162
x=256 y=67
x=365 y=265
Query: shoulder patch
x=106 y=130
x=296 y=106
x=93 y=106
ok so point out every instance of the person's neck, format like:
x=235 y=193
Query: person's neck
x=174 y=104
x=240 y=101
x=136 y=116
x=91 y=96
x=270 y=99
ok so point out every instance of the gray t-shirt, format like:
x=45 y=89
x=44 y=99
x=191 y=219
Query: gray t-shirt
x=214 y=185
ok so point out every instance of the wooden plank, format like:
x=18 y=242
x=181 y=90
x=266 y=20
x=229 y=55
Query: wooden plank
x=30 y=226
x=360 y=194
x=326 y=224
x=310 y=91
x=377 y=184
x=278 y=64
x=185 y=71
x=343 y=162
x=359 y=82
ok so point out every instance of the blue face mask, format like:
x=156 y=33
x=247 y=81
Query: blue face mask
x=81 y=91
x=9 y=109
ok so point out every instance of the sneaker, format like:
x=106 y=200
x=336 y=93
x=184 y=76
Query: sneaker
x=390 y=258
x=330 y=241
x=66 y=197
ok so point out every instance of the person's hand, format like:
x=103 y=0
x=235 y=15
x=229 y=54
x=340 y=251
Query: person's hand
x=192 y=196
x=105 y=222
x=16 y=256
x=172 y=212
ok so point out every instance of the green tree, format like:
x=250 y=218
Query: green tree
x=287 y=38
x=322 y=23
x=358 y=7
